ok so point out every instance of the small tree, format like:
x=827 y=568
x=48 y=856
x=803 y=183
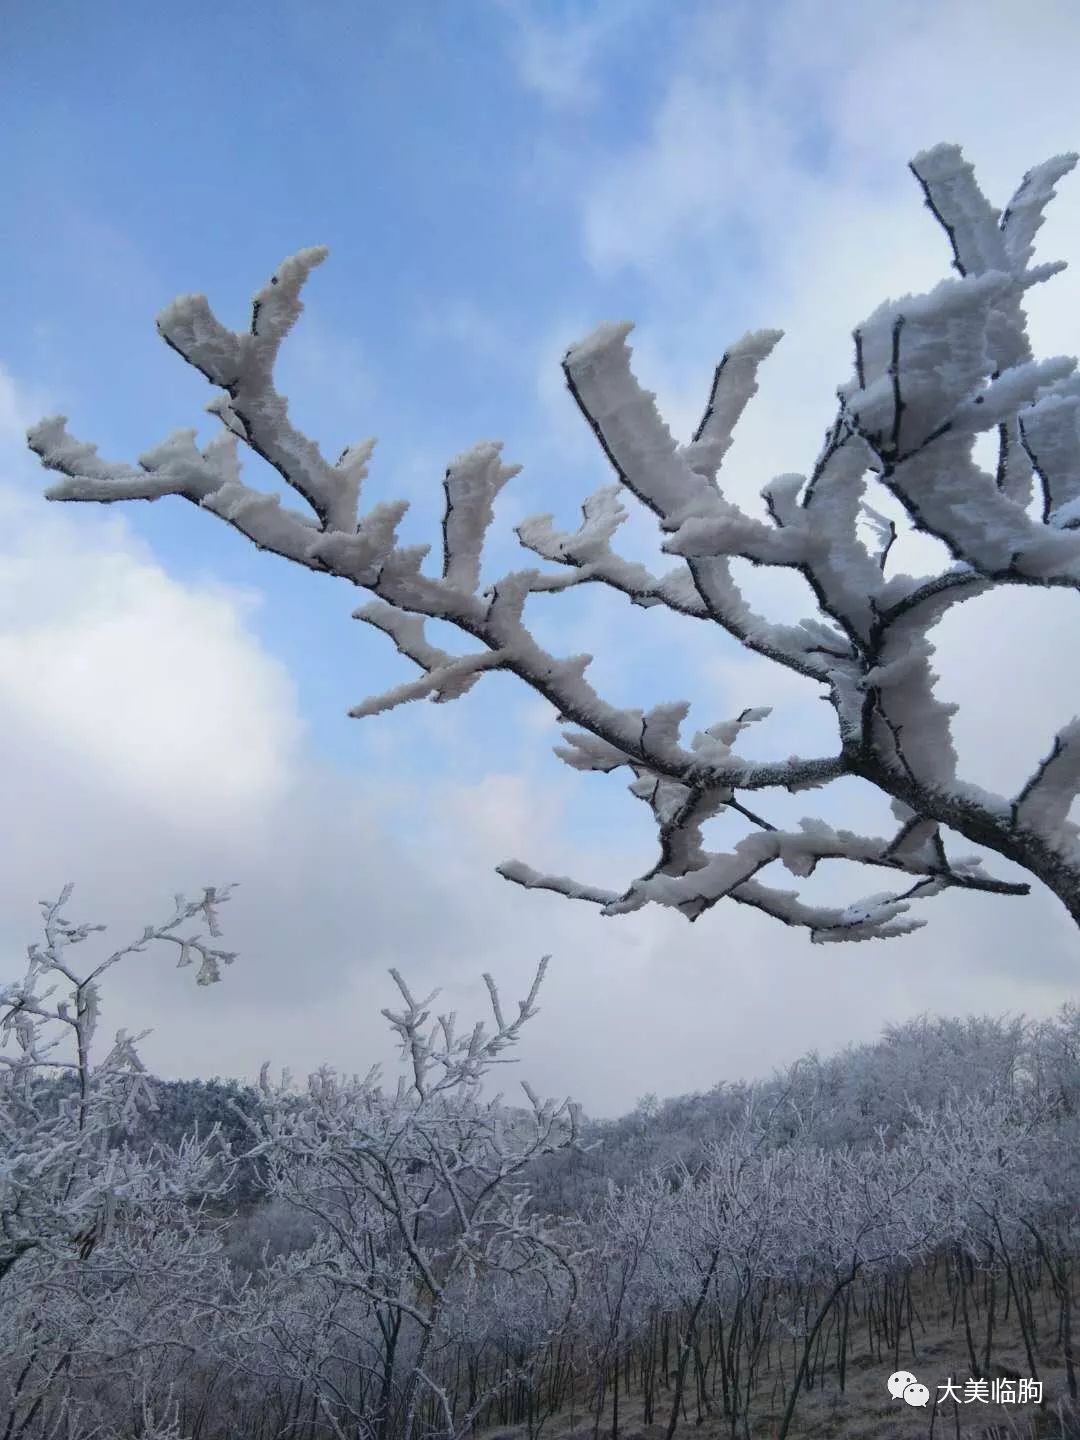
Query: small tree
x=105 y=1256
x=932 y=373
x=421 y=1207
x=61 y=1180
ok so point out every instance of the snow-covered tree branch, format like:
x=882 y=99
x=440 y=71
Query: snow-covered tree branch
x=931 y=374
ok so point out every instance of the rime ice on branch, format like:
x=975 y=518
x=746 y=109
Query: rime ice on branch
x=931 y=373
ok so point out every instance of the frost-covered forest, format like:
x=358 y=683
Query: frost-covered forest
x=393 y=1257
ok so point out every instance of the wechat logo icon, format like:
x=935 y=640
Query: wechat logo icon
x=904 y=1386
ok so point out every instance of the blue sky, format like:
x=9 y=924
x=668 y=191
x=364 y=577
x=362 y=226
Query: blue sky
x=493 y=179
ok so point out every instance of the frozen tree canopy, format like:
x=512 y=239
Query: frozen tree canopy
x=931 y=374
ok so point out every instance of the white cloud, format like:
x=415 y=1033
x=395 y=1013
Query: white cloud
x=769 y=125
x=557 y=55
x=703 y=175
x=156 y=685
